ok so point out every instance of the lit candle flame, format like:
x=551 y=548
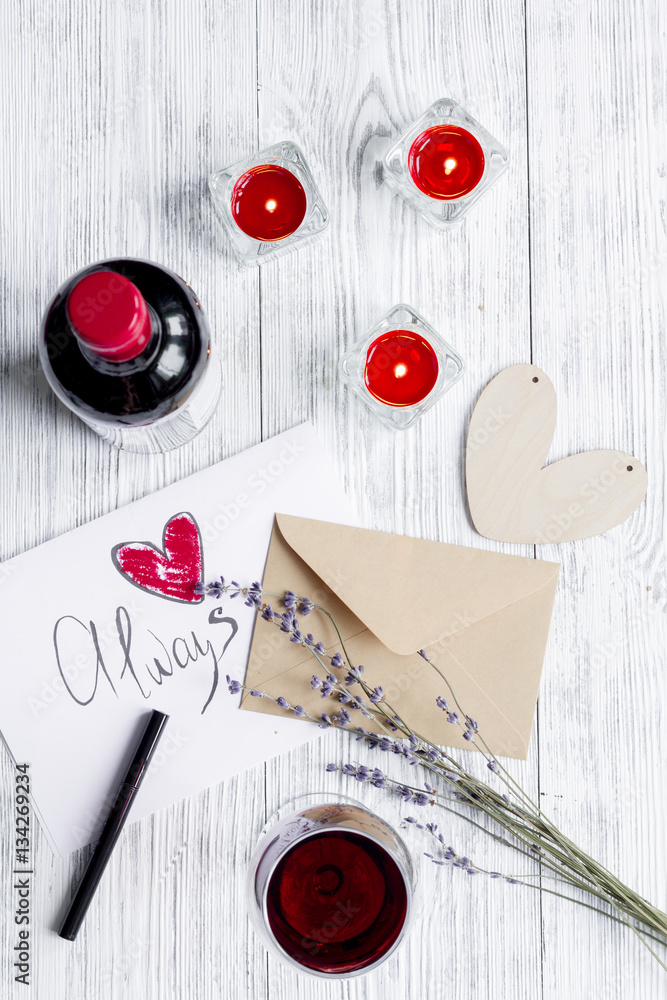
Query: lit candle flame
x=450 y=164
x=271 y=205
x=400 y=370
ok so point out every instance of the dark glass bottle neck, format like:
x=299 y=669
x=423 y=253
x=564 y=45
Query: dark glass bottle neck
x=124 y=368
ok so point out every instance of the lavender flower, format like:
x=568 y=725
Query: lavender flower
x=290 y=600
x=254 y=596
x=441 y=703
x=337 y=661
x=281 y=702
x=257 y=694
x=493 y=766
x=234 y=686
x=377 y=695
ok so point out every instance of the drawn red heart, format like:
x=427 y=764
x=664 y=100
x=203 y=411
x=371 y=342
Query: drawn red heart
x=171 y=573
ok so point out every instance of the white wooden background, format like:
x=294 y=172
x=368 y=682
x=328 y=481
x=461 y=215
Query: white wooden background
x=112 y=117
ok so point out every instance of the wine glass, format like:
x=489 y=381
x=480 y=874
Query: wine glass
x=330 y=886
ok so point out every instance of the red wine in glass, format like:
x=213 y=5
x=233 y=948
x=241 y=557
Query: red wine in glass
x=331 y=889
x=337 y=902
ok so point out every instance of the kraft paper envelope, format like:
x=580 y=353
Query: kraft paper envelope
x=483 y=617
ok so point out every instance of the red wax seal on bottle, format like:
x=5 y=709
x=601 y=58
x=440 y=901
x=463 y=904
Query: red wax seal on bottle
x=109 y=316
x=446 y=162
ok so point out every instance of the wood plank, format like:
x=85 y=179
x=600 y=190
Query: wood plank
x=343 y=82
x=112 y=120
x=596 y=85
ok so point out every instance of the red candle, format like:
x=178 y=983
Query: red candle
x=268 y=202
x=446 y=162
x=401 y=368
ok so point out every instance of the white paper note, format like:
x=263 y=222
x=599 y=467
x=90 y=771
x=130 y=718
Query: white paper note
x=88 y=652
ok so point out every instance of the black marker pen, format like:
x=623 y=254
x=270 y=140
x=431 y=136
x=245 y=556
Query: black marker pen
x=113 y=826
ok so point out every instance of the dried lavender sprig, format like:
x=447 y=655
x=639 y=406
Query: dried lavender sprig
x=547 y=828
x=289 y=624
x=573 y=858
x=456 y=861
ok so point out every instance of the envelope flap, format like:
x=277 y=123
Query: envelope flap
x=409 y=592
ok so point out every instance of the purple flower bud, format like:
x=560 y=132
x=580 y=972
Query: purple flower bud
x=199 y=588
x=315 y=683
x=281 y=703
x=234 y=686
x=326 y=721
x=257 y=694
x=422 y=652
x=452 y=717
x=493 y=766
x=290 y=599
x=332 y=767
x=298 y=711
x=326 y=689
x=441 y=703
x=469 y=735
x=377 y=695
x=337 y=661
x=267 y=613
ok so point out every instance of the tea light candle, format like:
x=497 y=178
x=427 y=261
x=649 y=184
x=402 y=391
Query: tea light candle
x=446 y=162
x=268 y=202
x=401 y=368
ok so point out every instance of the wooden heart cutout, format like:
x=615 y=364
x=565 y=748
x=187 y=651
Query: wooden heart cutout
x=171 y=573
x=512 y=496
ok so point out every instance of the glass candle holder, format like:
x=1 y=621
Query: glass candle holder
x=401 y=367
x=330 y=886
x=269 y=203
x=444 y=162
